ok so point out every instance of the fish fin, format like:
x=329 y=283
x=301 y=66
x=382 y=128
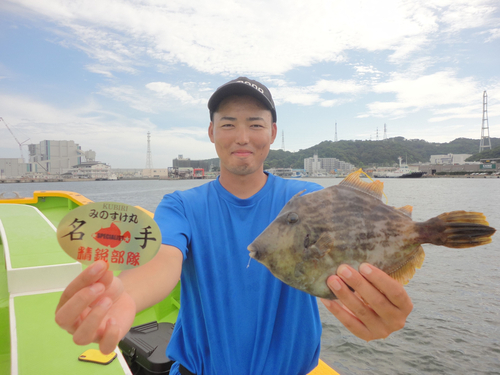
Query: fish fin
x=322 y=246
x=299 y=193
x=404 y=274
x=375 y=188
x=459 y=229
x=407 y=210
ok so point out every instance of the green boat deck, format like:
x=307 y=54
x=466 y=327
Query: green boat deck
x=34 y=271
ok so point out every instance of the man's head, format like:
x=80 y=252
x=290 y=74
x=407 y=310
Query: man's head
x=242 y=86
x=243 y=127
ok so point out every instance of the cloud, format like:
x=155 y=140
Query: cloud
x=156 y=97
x=318 y=93
x=494 y=34
x=232 y=37
x=441 y=92
x=166 y=90
x=117 y=139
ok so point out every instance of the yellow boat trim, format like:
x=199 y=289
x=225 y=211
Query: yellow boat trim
x=323 y=369
x=75 y=197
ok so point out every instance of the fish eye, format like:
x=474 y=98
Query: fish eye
x=292 y=218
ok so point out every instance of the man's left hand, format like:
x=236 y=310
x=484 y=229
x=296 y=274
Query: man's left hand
x=378 y=306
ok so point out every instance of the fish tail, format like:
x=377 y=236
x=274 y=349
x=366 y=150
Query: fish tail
x=457 y=229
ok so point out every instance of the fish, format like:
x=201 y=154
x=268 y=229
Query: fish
x=111 y=236
x=349 y=223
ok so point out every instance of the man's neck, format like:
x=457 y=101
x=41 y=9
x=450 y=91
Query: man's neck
x=243 y=186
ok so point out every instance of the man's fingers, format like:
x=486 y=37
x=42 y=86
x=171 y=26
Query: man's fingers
x=88 y=330
x=110 y=338
x=88 y=277
x=371 y=304
x=68 y=314
x=352 y=304
x=389 y=287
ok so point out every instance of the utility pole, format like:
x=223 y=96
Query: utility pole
x=149 y=161
x=485 y=128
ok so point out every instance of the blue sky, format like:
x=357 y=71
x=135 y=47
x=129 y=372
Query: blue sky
x=104 y=73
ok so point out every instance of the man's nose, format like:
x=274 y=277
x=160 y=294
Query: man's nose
x=242 y=137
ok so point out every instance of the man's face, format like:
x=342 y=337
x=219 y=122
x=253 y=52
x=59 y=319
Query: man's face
x=242 y=131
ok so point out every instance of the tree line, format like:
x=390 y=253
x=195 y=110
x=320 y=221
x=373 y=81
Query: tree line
x=382 y=153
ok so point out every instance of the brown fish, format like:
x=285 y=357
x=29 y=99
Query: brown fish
x=349 y=224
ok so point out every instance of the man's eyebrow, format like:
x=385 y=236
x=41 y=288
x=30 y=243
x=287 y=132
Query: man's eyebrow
x=229 y=118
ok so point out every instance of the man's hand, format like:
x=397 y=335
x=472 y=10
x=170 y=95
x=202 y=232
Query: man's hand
x=378 y=306
x=95 y=308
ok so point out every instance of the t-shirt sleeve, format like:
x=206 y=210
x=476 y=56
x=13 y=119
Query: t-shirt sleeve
x=174 y=226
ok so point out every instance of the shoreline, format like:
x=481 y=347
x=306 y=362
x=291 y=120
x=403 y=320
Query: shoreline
x=31 y=180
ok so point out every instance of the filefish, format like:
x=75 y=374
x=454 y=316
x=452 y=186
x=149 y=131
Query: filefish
x=349 y=224
x=111 y=236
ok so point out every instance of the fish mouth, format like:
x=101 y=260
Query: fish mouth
x=255 y=253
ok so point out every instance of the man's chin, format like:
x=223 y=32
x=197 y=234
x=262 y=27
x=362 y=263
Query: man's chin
x=242 y=170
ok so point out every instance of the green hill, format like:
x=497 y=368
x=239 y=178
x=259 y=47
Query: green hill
x=488 y=154
x=375 y=153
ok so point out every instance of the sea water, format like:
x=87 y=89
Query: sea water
x=455 y=324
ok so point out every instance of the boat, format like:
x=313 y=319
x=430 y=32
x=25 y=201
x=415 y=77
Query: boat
x=34 y=271
x=404 y=171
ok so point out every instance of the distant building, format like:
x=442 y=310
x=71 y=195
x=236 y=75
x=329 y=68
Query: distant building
x=127 y=173
x=56 y=157
x=12 y=168
x=317 y=165
x=155 y=172
x=89 y=170
x=449 y=159
x=207 y=165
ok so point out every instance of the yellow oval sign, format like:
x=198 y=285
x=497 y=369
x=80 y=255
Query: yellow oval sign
x=124 y=236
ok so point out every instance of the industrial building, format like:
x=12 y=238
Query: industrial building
x=55 y=157
x=93 y=170
x=206 y=165
x=321 y=166
x=449 y=159
x=12 y=167
x=50 y=158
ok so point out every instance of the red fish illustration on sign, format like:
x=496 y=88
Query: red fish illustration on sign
x=111 y=236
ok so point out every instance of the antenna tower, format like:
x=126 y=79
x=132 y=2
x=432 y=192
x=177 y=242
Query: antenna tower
x=377 y=133
x=385 y=131
x=336 y=139
x=283 y=140
x=149 y=161
x=485 y=128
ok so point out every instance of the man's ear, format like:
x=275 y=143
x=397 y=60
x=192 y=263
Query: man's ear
x=274 y=132
x=211 y=131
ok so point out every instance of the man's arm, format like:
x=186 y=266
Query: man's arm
x=98 y=307
x=378 y=306
x=158 y=277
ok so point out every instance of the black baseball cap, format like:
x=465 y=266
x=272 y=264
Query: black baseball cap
x=242 y=86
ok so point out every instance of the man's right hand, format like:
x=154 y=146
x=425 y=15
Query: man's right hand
x=95 y=308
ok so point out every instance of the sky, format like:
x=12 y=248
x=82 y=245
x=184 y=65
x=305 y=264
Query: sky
x=105 y=73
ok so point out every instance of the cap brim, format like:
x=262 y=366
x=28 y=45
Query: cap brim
x=238 y=89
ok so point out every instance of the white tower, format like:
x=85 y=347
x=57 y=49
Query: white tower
x=149 y=160
x=485 y=128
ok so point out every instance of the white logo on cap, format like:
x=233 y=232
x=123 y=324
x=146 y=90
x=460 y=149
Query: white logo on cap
x=253 y=85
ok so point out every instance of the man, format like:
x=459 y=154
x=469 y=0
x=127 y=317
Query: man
x=235 y=317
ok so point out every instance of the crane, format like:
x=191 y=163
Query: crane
x=19 y=143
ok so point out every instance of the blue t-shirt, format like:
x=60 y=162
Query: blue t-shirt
x=235 y=316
